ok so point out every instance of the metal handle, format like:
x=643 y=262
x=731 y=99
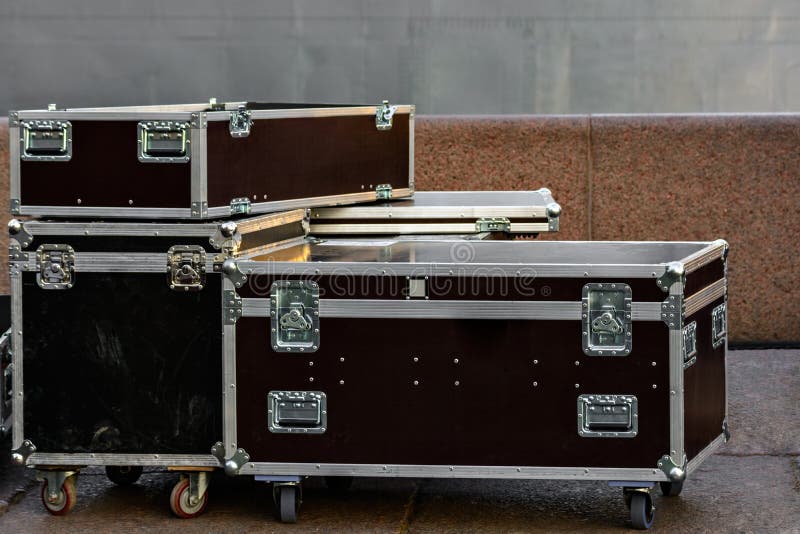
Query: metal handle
x=46 y=140
x=164 y=142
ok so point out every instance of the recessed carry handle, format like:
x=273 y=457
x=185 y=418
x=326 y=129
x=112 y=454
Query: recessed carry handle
x=46 y=140
x=164 y=142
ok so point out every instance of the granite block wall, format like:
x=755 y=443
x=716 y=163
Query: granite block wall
x=634 y=177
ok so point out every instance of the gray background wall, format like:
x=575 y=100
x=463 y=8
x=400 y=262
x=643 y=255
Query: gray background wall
x=445 y=56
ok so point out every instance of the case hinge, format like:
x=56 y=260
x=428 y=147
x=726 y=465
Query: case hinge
x=186 y=267
x=383 y=192
x=606 y=314
x=493 y=224
x=383 y=116
x=55 y=266
x=240 y=206
x=294 y=313
x=240 y=123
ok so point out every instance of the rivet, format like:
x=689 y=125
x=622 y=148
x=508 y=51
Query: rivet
x=341 y=382
x=310 y=378
x=577 y=362
x=535 y=362
x=416 y=382
x=456 y=383
x=653 y=364
x=311 y=364
x=416 y=359
x=577 y=386
x=455 y=360
x=536 y=384
x=341 y=359
x=655 y=386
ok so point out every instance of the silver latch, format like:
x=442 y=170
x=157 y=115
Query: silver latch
x=689 y=344
x=608 y=416
x=493 y=224
x=56 y=266
x=303 y=412
x=46 y=140
x=294 y=312
x=606 y=313
x=240 y=205
x=240 y=122
x=383 y=116
x=383 y=192
x=164 y=142
x=719 y=324
x=186 y=267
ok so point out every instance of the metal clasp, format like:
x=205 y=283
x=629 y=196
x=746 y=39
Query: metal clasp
x=689 y=344
x=46 y=140
x=164 y=142
x=719 y=324
x=383 y=192
x=56 y=266
x=186 y=267
x=240 y=122
x=383 y=116
x=493 y=224
x=606 y=313
x=240 y=205
x=294 y=312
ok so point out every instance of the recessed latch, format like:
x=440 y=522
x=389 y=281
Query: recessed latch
x=56 y=266
x=186 y=268
x=493 y=224
x=689 y=344
x=606 y=313
x=383 y=192
x=383 y=116
x=719 y=323
x=294 y=312
x=46 y=140
x=240 y=123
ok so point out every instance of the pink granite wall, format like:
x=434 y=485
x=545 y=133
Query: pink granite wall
x=692 y=177
x=653 y=177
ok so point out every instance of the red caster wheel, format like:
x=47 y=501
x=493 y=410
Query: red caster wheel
x=64 y=501
x=180 y=501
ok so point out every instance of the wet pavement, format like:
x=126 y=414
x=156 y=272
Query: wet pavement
x=752 y=484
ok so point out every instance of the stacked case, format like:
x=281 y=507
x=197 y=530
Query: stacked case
x=163 y=323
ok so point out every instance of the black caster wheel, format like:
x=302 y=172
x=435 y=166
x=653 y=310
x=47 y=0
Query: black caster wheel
x=287 y=502
x=65 y=500
x=642 y=510
x=179 y=501
x=338 y=484
x=123 y=475
x=671 y=489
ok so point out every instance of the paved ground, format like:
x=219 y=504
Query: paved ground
x=752 y=485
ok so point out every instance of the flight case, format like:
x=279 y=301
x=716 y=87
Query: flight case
x=477 y=359
x=206 y=161
x=116 y=346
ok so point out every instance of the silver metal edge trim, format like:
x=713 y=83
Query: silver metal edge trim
x=110 y=262
x=416 y=228
x=199 y=170
x=288 y=268
x=230 y=440
x=411 y=113
x=695 y=462
x=103 y=211
x=461 y=309
x=17 y=402
x=453 y=471
x=714 y=250
x=159 y=460
x=160 y=108
x=430 y=212
x=106 y=115
x=141 y=229
x=705 y=296
x=676 y=393
x=308 y=202
x=13 y=160
x=288 y=113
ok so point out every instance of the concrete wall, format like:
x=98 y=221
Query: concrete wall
x=445 y=56
x=628 y=177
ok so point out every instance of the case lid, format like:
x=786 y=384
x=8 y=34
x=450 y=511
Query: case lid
x=444 y=212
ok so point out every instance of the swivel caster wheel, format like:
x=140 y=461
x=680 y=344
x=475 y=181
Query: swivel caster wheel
x=671 y=489
x=642 y=510
x=338 y=484
x=123 y=475
x=181 y=501
x=287 y=502
x=60 y=502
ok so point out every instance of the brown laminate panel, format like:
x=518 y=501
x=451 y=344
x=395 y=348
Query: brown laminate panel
x=474 y=401
x=105 y=171
x=298 y=158
x=703 y=277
